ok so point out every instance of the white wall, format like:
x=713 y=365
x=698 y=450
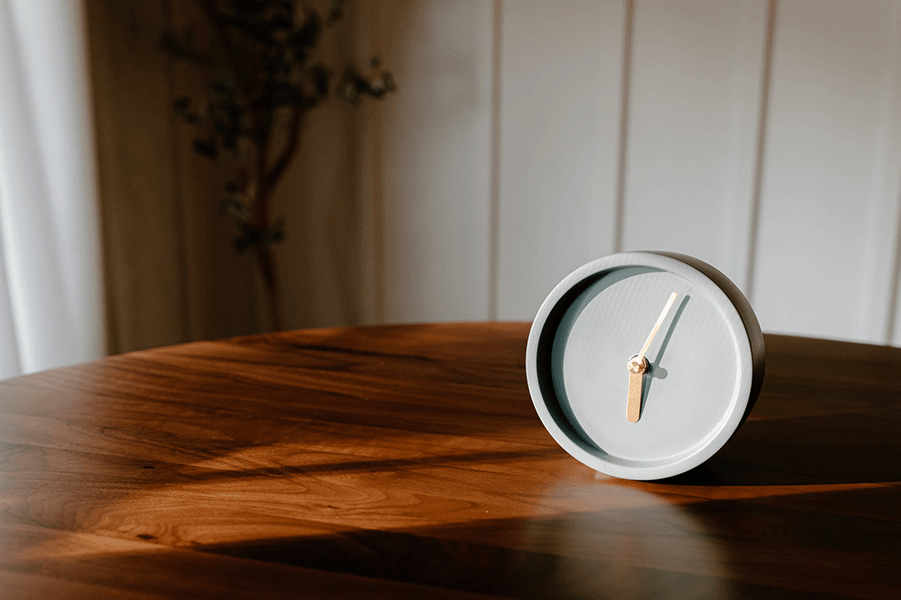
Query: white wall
x=531 y=136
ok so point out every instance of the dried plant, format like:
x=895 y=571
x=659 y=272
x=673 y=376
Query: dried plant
x=265 y=79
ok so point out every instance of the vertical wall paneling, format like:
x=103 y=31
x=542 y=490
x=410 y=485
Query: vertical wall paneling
x=623 y=133
x=881 y=242
x=825 y=168
x=891 y=200
x=496 y=75
x=368 y=175
x=697 y=73
x=751 y=223
x=132 y=104
x=172 y=274
x=435 y=157
x=319 y=259
x=894 y=321
x=560 y=115
x=181 y=224
x=212 y=269
x=527 y=137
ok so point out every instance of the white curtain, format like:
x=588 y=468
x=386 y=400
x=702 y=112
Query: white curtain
x=51 y=289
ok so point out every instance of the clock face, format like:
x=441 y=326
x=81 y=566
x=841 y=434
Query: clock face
x=702 y=363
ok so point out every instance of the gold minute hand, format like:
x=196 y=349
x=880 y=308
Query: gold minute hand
x=638 y=365
x=666 y=309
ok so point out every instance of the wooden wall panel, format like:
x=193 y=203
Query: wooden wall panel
x=317 y=262
x=367 y=178
x=693 y=128
x=172 y=273
x=826 y=160
x=760 y=136
x=221 y=292
x=433 y=159
x=882 y=250
x=560 y=98
x=528 y=137
x=320 y=257
x=894 y=333
x=138 y=187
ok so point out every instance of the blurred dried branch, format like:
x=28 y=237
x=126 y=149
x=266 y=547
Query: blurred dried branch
x=265 y=80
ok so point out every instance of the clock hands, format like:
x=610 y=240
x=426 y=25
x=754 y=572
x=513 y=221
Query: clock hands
x=638 y=364
x=647 y=344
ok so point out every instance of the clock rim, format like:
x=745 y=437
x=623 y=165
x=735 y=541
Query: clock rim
x=737 y=312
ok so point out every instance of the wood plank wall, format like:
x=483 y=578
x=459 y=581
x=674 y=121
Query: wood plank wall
x=171 y=272
x=532 y=136
x=527 y=138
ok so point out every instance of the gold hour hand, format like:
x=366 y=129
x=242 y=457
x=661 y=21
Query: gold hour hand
x=636 y=376
x=638 y=365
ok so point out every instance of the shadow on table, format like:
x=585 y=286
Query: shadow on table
x=840 y=448
x=626 y=542
x=656 y=546
x=678 y=547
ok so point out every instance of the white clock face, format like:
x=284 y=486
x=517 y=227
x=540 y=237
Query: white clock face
x=691 y=382
x=698 y=365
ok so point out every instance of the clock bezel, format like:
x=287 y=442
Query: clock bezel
x=735 y=309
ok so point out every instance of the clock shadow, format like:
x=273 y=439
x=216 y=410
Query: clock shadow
x=655 y=371
x=810 y=450
x=827 y=414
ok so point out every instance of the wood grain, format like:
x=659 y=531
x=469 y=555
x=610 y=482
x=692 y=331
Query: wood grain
x=408 y=461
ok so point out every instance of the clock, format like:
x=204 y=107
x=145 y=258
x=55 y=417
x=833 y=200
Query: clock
x=642 y=365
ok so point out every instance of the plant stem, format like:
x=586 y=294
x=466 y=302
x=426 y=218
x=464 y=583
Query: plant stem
x=288 y=150
x=250 y=83
x=267 y=179
x=263 y=248
x=266 y=263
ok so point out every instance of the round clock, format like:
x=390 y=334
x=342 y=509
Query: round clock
x=643 y=364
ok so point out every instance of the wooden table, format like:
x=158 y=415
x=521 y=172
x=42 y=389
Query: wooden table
x=408 y=461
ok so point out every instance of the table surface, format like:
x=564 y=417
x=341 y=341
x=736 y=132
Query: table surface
x=408 y=461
